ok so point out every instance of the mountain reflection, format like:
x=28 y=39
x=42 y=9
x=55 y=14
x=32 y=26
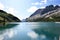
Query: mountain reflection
x=31 y=31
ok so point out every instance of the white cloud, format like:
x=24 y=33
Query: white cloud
x=42 y=7
x=36 y=3
x=11 y=10
x=32 y=9
x=44 y=1
x=1 y=6
x=32 y=34
x=40 y=3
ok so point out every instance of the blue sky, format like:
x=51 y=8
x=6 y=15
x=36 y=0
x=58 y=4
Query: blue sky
x=24 y=8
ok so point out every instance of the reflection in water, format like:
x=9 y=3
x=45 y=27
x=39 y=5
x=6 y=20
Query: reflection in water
x=7 y=34
x=42 y=36
x=31 y=31
x=32 y=34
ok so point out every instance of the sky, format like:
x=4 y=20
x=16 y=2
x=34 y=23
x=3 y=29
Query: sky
x=24 y=8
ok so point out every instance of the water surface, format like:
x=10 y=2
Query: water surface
x=31 y=31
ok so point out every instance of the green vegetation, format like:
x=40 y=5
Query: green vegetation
x=6 y=17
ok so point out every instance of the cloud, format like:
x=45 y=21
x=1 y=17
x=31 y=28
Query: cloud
x=32 y=9
x=42 y=7
x=8 y=9
x=44 y=1
x=36 y=3
x=32 y=34
x=11 y=10
x=40 y=3
x=1 y=6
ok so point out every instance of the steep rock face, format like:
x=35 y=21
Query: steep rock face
x=50 y=13
x=45 y=10
x=37 y=12
x=6 y=17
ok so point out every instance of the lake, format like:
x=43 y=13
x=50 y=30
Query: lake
x=31 y=31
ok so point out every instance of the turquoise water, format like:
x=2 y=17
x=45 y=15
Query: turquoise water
x=31 y=31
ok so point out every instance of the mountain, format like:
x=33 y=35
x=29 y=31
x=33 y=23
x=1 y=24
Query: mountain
x=6 y=17
x=37 y=12
x=50 y=13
